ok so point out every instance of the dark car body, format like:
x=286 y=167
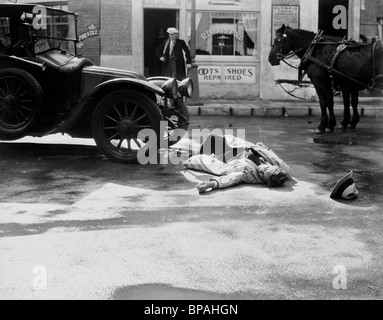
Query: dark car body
x=45 y=88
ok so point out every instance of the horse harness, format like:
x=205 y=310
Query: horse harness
x=330 y=68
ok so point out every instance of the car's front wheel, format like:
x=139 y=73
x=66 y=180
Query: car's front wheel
x=21 y=99
x=118 y=121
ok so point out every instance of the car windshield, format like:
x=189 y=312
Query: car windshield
x=60 y=32
x=22 y=31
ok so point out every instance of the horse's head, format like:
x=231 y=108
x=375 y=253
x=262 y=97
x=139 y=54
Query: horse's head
x=281 y=46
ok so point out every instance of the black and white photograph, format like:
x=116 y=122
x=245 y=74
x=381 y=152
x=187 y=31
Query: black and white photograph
x=191 y=156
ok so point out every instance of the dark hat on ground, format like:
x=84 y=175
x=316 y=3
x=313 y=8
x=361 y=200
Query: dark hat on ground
x=345 y=188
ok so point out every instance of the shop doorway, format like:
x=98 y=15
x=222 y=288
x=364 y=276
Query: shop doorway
x=154 y=20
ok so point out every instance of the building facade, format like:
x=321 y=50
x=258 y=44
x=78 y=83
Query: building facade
x=233 y=37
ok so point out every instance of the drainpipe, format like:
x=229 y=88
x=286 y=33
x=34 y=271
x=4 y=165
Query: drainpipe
x=193 y=71
x=380 y=27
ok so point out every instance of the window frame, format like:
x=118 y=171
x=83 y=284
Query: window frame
x=234 y=9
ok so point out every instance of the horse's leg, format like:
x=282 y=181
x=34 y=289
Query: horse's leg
x=330 y=106
x=326 y=101
x=346 y=95
x=323 y=95
x=355 y=112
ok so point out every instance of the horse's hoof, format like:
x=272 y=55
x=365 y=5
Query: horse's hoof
x=329 y=130
x=318 y=131
x=351 y=127
x=342 y=127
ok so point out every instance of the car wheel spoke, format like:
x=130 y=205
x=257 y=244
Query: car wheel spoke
x=18 y=89
x=130 y=146
x=23 y=115
x=23 y=94
x=141 y=118
x=139 y=145
x=26 y=108
x=134 y=112
x=120 y=143
x=113 y=137
x=3 y=92
x=7 y=87
x=11 y=85
x=118 y=112
x=110 y=118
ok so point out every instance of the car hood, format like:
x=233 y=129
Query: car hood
x=113 y=73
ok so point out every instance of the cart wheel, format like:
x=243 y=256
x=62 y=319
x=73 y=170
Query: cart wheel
x=180 y=119
x=21 y=100
x=118 y=120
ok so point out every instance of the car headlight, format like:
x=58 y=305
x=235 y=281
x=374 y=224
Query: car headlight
x=170 y=88
x=186 y=88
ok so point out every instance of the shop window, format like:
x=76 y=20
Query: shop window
x=371 y=20
x=227 y=33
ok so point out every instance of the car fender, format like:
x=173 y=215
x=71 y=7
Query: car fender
x=89 y=101
x=159 y=81
x=136 y=83
x=16 y=62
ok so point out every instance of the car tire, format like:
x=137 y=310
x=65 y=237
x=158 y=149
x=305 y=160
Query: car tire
x=180 y=119
x=21 y=101
x=117 y=122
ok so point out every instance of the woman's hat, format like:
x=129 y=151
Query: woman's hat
x=345 y=188
x=172 y=31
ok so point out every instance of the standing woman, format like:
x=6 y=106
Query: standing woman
x=171 y=53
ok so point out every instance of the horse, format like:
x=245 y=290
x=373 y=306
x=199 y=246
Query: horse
x=330 y=64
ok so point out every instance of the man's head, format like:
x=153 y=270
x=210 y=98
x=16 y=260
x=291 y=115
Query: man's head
x=273 y=176
x=277 y=180
x=173 y=33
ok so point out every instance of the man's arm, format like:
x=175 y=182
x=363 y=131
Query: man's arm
x=226 y=181
x=187 y=52
x=160 y=50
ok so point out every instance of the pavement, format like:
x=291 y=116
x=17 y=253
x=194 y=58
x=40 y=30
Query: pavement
x=74 y=225
x=369 y=107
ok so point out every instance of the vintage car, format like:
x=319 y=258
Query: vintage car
x=46 y=88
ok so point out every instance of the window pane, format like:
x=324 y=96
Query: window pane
x=227 y=33
x=4 y=35
x=371 y=21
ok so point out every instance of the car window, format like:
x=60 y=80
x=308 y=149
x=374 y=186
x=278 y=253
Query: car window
x=60 y=32
x=23 y=38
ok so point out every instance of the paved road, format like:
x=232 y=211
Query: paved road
x=75 y=226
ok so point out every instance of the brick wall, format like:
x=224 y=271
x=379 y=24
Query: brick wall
x=116 y=27
x=89 y=17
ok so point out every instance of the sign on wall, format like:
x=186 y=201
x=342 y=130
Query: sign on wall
x=92 y=32
x=285 y=15
x=211 y=74
x=239 y=74
x=228 y=74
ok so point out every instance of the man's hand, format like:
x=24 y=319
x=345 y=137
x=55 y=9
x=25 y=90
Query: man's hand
x=162 y=59
x=188 y=66
x=205 y=186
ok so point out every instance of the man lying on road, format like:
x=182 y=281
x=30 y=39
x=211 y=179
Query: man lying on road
x=257 y=164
